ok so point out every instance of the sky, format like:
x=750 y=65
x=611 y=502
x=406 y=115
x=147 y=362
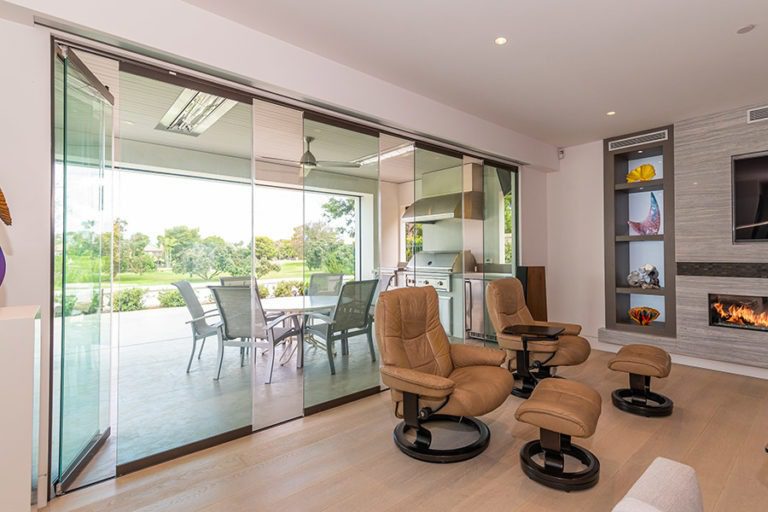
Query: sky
x=150 y=203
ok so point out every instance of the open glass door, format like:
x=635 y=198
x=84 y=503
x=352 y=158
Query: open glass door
x=83 y=109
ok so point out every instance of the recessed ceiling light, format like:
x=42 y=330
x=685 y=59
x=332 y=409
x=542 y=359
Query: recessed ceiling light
x=611 y=113
x=640 y=151
x=500 y=41
x=746 y=29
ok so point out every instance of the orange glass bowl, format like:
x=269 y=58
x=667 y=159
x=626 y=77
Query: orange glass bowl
x=643 y=315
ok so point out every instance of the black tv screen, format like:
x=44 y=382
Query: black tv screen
x=750 y=198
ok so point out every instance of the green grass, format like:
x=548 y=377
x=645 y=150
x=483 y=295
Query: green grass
x=288 y=270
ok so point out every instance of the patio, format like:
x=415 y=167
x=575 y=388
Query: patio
x=160 y=407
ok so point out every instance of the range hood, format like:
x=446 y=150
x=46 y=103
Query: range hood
x=461 y=205
x=454 y=193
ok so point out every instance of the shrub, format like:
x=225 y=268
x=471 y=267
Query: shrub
x=170 y=299
x=263 y=291
x=285 y=288
x=130 y=299
x=93 y=307
x=65 y=307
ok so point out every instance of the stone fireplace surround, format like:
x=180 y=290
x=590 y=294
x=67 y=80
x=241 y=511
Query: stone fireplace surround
x=708 y=262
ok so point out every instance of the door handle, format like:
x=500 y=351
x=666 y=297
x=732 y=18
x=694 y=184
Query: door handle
x=468 y=305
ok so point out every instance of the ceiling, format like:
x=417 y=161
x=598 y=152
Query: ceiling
x=143 y=102
x=565 y=64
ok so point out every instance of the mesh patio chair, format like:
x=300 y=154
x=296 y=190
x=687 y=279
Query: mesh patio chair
x=201 y=329
x=240 y=328
x=246 y=281
x=235 y=281
x=349 y=318
x=325 y=284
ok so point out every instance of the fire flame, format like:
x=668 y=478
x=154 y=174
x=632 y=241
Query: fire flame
x=741 y=315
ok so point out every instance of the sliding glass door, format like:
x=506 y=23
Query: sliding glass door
x=182 y=225
x=83 y=122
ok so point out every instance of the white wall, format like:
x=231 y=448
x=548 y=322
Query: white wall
x=25 y=172
x=533 y=217
x=183 y=30
x=575 y=259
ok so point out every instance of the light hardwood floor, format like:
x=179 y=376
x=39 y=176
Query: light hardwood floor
x=344 y=459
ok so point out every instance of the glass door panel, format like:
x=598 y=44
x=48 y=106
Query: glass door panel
x=81 y=268
x=182 y=228
x=439 y=211
x=341 y=231
x=278 y=216
x=500 y=227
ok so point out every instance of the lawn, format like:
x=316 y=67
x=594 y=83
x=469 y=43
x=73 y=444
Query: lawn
x=288 y=270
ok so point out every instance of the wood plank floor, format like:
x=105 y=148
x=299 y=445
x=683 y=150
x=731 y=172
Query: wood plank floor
x=344 y=459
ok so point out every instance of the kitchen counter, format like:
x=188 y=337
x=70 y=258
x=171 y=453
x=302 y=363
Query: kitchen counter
x=489 y=276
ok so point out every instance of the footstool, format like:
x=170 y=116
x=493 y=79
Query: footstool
x=642 y=362
x=561 y=409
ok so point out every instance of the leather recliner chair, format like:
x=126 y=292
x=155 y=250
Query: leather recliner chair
x=426 y=375
x=506 y=306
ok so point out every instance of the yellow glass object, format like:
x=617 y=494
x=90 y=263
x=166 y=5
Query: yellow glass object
x=643 y=172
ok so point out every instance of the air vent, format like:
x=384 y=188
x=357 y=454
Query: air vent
x=757 y=114
x=638 y=140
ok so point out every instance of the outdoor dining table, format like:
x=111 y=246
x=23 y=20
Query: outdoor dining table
x=303 y=305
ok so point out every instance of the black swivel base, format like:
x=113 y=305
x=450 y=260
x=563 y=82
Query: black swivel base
x=529 y=377
x=420 y=447
x=639 y=399
x=553 y=447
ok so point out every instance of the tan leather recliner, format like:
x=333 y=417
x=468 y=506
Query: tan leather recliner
x=427 y=374
x=506 y=306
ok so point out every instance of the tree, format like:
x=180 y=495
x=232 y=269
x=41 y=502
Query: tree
x=341 y=210
x=176 y=240
x=319 y=240
x=205 y=259
x=285 y=250
x=265 y=248
x=132 y=255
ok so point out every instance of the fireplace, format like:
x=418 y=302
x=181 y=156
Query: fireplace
x=739 y=311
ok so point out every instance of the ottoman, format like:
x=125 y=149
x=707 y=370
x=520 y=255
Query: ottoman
x=642 y=362
x=561 y=409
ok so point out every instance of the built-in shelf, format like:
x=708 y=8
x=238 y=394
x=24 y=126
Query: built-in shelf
x=641 y=291
x=657 y=328
x=621 y=155
x=641 y=186
x=640 y=238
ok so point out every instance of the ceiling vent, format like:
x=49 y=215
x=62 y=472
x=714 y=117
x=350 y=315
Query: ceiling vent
x=757 y=114
x=638 y=140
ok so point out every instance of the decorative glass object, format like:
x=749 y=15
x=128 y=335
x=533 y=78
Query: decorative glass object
x=643 y=315
x=652 y=222
x=645 y=277
x=643 y=172
x=5 y=216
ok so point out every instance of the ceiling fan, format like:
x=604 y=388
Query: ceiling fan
x=309 y=162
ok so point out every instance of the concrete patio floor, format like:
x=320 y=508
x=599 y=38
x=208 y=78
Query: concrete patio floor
x=157 y=406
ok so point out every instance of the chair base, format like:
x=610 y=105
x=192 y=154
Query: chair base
x=649 y=405
x=529 y=381
x=420 y=448
x=552 y=475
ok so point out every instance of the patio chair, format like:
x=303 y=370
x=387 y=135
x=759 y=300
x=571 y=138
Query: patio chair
x=325 y=284
x=240 y=328
x=349 y=318
x=201 y=329
x=235 y=281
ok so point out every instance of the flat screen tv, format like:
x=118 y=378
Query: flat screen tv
x=750 y=198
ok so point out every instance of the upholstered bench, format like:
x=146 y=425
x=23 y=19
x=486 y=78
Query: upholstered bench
x=642 y=362
x=561 y=409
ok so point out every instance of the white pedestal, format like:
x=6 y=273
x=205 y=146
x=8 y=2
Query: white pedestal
x=18 y=337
